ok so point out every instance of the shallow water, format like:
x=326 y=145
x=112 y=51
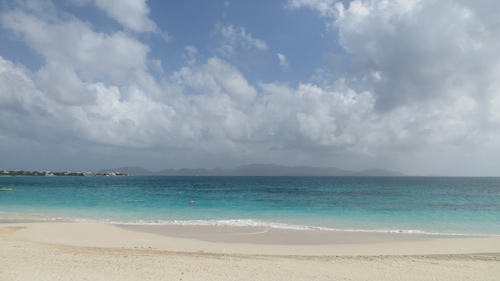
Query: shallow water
x=384 y=204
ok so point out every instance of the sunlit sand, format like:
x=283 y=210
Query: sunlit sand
x=62 y=251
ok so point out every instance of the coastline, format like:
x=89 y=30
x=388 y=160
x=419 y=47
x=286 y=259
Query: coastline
x=249 y=240
x=94 y=251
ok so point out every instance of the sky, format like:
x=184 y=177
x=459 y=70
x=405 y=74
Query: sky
x=403 y=85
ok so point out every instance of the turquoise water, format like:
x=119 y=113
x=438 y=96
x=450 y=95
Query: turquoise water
x=407 y=204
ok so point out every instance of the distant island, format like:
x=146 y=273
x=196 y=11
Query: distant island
x=242 y=171
x=17 y=173
x=256 y=170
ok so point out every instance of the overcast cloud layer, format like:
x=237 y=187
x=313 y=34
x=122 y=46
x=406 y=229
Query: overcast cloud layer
x=407 y=85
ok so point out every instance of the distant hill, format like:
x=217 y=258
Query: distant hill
x=256 y=170
x=277 y=170
x=434 y=175
x=135 y=171
x=381 y=173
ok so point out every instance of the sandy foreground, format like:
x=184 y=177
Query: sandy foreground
x=79 y=251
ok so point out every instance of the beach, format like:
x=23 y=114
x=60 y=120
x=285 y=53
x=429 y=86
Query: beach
x=88 y=251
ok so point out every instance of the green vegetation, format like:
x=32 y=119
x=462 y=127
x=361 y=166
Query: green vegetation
x=18 y=173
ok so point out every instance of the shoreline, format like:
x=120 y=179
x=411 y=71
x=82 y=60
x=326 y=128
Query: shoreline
x=81 y=251
x=249 y=240
x=240 y=223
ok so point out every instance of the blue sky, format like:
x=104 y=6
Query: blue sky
x=407 y=85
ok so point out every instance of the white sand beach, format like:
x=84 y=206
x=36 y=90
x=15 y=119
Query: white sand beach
x=79 y=251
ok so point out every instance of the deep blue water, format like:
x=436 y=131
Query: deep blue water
x=412 y=204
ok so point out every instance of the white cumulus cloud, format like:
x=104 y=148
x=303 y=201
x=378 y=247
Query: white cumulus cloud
x=284 y=63
x=422 y=88
x=236 y=39
x=132 y=14
x=72 y=43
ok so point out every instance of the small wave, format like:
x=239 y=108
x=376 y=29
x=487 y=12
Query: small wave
x=233 y=223
x=256 y=223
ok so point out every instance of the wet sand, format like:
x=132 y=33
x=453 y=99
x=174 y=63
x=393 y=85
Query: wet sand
x=78 y=251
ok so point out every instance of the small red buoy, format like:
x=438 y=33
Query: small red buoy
x=191 y=202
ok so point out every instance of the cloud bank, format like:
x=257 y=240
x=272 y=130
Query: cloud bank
x=420 y=94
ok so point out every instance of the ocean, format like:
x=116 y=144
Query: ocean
x=427 y=205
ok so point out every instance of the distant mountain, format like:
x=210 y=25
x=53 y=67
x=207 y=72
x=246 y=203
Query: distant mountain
x=381 y=173
x=135 y=171
x=277 y=170
x=256 y=170
x=167 y=172
x=433 y=175
x=192 y=172
x=260 y=170
x=219 y=171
